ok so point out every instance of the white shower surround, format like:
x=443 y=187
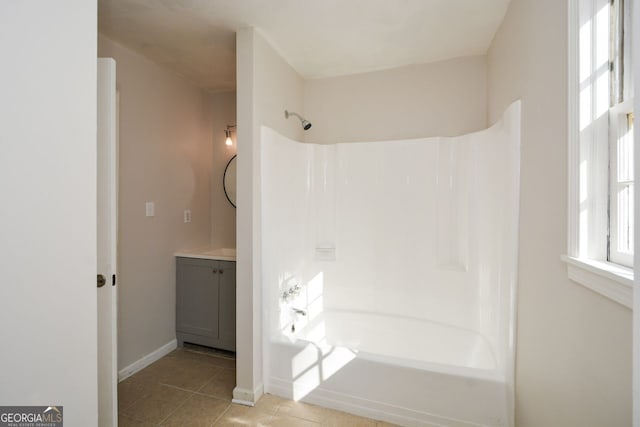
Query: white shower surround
x=406 y=255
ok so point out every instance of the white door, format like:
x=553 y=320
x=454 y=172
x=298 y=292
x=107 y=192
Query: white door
x=107 y=244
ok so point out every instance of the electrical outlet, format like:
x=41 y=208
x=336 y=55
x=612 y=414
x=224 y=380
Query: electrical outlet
x=187 y=216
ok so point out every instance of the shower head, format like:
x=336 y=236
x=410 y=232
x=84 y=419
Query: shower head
x=306 y=124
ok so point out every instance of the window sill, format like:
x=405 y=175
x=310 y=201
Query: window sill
x=610 y=280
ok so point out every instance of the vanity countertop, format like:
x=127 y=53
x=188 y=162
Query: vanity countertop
x=220 y=254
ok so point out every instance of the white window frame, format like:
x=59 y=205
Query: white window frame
x=618 y=118
x=588 y=245
x=622 y=106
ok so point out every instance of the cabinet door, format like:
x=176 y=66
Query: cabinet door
x=228 y=304
x=197 y=296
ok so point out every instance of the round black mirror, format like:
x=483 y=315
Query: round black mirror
x=229 y=181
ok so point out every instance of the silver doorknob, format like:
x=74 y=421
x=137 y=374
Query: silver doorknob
x=101 y=280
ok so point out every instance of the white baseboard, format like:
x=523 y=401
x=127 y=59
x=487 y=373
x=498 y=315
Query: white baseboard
x=243 y=402
x=245 y=397
x=147 y=360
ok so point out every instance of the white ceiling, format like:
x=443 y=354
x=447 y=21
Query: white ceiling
x=319 y=38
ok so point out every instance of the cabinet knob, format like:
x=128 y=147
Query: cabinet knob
x=221 y=271
x=215 y=271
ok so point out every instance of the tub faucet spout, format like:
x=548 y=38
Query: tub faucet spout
x=298 y=311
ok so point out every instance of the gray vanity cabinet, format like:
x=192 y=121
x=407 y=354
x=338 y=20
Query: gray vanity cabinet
x=206 y=302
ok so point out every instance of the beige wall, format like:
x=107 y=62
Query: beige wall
x=635 y=46
x=165 y=156
x=438 y=99
x=223 y=215
x=574 y=346
x=48 y=171
x=267 y=85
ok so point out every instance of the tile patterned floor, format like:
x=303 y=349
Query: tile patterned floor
x=194 y=388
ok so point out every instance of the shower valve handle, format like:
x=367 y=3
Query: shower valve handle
x=293 y=291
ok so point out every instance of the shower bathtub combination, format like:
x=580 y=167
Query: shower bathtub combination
x=389 y=275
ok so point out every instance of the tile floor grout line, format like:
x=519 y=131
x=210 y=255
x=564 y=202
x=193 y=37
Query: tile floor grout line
x=133 y=416
x=197 y=392
x=211 y=364
x=214 y=353
x=209 y=355
x=175 y=410
x=212 y=396
x=221 y=415
x=176 y=387
x=121 y=410
x=300 y=417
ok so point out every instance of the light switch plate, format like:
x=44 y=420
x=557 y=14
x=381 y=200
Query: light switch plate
x=150 y=208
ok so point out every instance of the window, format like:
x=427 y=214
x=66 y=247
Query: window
x=620 y=138
x=621 y=187
x=601 y=181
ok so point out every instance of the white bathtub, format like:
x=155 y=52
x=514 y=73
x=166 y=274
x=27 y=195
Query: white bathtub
x=404 y=256
x=351 y=361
